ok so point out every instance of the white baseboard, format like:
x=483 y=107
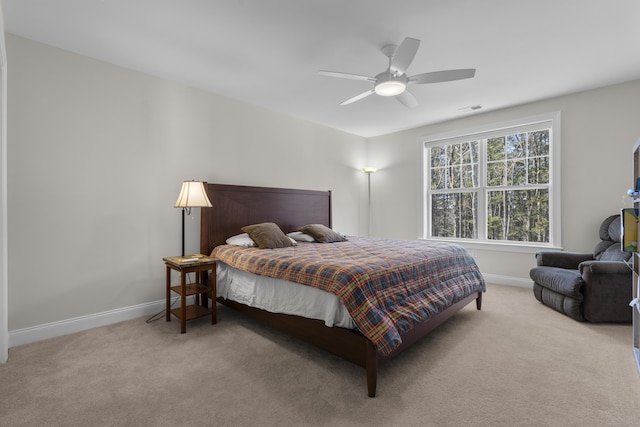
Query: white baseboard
x=508 y=280
x=82 y=323
x=77 y=324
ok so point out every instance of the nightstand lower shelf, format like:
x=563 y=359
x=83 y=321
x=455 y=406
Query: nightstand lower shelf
x=191 y=289
x=192 y=312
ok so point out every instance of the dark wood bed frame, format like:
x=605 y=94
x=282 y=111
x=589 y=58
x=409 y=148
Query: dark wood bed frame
x=236 y=206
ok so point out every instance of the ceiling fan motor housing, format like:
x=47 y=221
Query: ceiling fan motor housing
x=389 y=85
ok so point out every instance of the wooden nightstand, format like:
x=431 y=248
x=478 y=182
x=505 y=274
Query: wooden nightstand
x=201 y=265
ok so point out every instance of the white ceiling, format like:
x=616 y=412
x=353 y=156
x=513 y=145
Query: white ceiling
x=268 y=52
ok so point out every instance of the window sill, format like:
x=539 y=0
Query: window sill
x=499 y=246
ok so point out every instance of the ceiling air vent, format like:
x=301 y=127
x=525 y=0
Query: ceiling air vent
x=470 y=108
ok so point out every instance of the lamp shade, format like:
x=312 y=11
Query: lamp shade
x=369 y=169
x=193 y=195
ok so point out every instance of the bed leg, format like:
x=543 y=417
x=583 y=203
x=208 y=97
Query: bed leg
x=372 y=368
x=479 y=301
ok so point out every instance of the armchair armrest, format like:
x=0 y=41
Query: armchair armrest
x=604 y=267
x=607 y=291
x=569 y=260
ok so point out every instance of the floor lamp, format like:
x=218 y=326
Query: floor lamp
x=369 y=170
x=192 y=195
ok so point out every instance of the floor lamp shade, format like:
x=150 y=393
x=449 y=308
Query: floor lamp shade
x=192 y=195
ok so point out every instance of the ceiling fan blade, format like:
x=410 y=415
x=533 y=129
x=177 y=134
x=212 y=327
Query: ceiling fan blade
x=443 y=76
x=404 y=55
x=407 y=99
x=346 y=76
x=357 y=97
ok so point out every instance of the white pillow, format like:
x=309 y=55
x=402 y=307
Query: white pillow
x=247 y=242
x=241 y=240
x=301 y=237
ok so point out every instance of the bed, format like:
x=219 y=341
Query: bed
x=356 y=272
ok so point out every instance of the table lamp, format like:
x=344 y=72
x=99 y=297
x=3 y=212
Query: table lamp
x=192 y=195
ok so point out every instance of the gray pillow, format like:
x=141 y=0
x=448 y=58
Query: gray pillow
x=299 y=236
x=268 y=235
x=322 y=233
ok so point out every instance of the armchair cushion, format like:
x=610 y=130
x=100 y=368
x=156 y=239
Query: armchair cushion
x=609 y=248
x=561 y=280
x=561 y=303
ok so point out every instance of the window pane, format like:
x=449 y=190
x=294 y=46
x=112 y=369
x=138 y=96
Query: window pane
x=539 y=170
x=496 y=174
x=539 y=143
x=470 y=176
x=456 y=154
x=467 y=153
x=516 y=172
x=495 y=149
x=453 y=177
x=438 y=156
x=518 y=215
x=454 y=215
x=516 y=146
x=438 y=178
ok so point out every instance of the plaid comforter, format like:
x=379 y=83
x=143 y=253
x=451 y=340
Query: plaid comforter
x=388 y=286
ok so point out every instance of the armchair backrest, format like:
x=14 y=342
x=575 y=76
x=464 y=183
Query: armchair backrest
x=609 y=248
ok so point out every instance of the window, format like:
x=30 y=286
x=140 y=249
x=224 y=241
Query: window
x=495 y=185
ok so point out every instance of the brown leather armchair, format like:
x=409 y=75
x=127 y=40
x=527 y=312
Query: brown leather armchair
x=596 y=287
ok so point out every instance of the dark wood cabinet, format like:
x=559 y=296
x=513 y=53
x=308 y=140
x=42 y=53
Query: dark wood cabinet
x=636 y=264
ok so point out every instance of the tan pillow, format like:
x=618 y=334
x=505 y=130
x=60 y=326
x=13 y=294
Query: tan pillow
x=267 y=235
x=322 y=233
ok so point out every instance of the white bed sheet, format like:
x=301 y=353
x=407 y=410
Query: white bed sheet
x=281 y=296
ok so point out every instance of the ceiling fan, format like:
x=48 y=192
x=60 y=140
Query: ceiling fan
x=394 y=80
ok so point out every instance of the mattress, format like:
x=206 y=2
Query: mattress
x=281 y=296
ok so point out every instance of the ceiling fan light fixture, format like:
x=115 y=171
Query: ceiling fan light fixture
x=390 y=87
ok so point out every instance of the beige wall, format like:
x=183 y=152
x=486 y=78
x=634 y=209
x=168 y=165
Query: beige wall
x=97 y=155
x=4 y=276
x=599 y=129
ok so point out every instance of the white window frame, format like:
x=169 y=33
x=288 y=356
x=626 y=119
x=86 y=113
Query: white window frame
x=550 y=119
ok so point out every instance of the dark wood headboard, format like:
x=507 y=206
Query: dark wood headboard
x=235 y=206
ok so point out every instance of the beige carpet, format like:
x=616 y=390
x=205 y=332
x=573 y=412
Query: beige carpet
x=515 y=363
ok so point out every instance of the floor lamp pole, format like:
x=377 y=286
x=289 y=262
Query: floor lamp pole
x=369 y=170
x=369 y=199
